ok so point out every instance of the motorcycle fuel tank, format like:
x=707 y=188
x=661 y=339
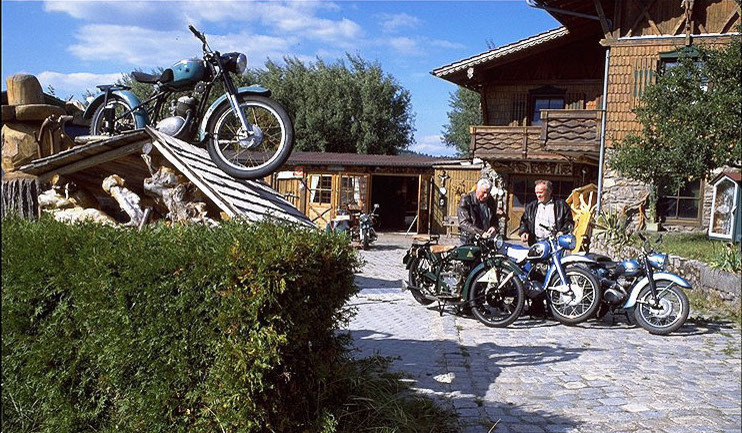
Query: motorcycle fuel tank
x=187 y=72
x=467 y=253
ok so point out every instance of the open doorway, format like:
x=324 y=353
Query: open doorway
x=397 y=198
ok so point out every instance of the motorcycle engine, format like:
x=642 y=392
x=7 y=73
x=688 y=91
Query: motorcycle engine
x=452 y=278
x=175 y=125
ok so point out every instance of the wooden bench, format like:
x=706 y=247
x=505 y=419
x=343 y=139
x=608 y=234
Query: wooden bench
x=449 y=223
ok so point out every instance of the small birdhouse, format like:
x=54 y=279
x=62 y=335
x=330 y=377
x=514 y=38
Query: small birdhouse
x=726 y=216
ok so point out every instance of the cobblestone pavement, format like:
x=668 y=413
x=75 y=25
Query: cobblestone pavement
x=541 y=376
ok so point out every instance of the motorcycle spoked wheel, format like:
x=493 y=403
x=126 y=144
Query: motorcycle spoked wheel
x=672 y=312
x=497 y=307
x=268 y=118
x=123 y=124
x=418 y=267
x=581 y=302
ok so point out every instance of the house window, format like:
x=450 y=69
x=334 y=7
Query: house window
x=320 y=188
x=545 y=103
x=682 y=205
x=352 y=192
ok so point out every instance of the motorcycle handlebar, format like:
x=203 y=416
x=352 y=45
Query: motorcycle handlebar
x=195 y=32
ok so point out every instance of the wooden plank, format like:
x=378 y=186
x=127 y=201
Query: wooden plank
x=93 y=160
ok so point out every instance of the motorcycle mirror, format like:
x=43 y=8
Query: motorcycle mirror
x=376 y=205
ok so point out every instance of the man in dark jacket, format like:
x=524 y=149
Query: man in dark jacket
x=477 y=213
x=546 y=211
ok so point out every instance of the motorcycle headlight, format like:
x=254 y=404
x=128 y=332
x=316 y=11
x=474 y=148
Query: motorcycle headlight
x=658 y=261
x=499 y=242
x=241 y=66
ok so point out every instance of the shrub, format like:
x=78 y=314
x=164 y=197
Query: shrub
x=169 y=329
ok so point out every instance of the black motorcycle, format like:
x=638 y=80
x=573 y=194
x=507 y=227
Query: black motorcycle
x=467 y=276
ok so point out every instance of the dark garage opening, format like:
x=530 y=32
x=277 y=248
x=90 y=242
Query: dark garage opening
x=397 y=199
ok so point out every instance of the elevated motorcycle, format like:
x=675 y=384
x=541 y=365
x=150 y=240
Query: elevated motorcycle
x=467 y=276
x=572 y=293
x=248 y=134
x=641 y=289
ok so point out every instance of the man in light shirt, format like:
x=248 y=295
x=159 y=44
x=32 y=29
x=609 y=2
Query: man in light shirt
x=544 y=211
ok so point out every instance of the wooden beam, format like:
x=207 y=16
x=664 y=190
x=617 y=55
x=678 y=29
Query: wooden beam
x=678 y=26
x=642 y=14
x=729 y=21
x=93 y=160
x=603 y=22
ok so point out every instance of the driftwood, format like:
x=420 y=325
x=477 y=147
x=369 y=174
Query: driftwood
x=127 y=200
x=65 y=209
x=176 y=194
x=638 y=207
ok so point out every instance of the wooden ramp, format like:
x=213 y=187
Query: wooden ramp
x=90 y=163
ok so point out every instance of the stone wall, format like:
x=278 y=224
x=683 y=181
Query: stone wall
x=701 y=276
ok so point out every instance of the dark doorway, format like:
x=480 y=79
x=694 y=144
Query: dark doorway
x=397 y=199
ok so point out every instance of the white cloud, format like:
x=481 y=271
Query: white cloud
x=147 y=49
x=74 y=84
x=432 y=145
x=390 y=23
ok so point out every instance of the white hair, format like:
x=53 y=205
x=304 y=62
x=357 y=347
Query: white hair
x=484 y=183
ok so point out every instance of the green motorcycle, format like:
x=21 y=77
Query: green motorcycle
x=474 y=277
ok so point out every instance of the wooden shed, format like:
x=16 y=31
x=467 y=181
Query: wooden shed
x=321 y=183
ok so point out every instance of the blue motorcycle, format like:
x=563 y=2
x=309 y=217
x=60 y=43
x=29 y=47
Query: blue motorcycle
x=248 y=134
x=642 y=290
x=572 y=293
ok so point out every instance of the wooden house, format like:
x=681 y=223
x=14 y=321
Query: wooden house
x=554 y=102
x=321 y=183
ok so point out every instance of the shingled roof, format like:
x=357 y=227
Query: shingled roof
x=501 y=52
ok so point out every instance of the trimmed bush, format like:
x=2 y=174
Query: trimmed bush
x=184 y=328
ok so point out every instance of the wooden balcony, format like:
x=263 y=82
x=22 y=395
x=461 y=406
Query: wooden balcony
x=572 y=132
x=563 y=134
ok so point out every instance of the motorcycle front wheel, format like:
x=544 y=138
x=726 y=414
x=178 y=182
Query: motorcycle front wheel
x=670 y=313
x=123 y=118
x=580 y=302
x=418 y=268
x=497 y=306
x=254 y=154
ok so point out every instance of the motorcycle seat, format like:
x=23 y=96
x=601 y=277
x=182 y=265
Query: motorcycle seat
x=166 y=76
x=424 y=239
x=437 y=249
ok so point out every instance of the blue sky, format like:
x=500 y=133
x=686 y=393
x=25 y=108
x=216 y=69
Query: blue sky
x=74 y=45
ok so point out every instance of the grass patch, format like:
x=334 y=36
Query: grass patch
x=699 y=247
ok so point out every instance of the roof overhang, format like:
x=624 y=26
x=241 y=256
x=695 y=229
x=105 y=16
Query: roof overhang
x=455 y=71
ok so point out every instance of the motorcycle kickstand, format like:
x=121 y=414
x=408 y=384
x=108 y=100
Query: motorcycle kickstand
x=441 y=306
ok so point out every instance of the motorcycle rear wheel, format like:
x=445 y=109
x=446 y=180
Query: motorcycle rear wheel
x=494 y=306
x=673 y=311
x=267 y=117
x=418 y=267
x=565 y=307
x=124 y=120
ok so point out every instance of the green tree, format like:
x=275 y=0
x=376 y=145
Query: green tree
x=690 y=123
x=465 y=111
x=346 y=106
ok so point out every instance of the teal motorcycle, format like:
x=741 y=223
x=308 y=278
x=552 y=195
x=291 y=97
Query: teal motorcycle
x=248 y=134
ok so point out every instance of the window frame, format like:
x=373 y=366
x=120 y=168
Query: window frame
x=697 y=221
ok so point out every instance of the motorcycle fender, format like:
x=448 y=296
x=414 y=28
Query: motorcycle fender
x=658 y=276
x=470 y=278
x=140 y=116
x=407 y=259
x=249 y=90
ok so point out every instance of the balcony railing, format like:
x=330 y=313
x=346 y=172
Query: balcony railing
x=573 y=133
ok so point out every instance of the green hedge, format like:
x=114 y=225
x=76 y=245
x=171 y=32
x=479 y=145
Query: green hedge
x=169 y=329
